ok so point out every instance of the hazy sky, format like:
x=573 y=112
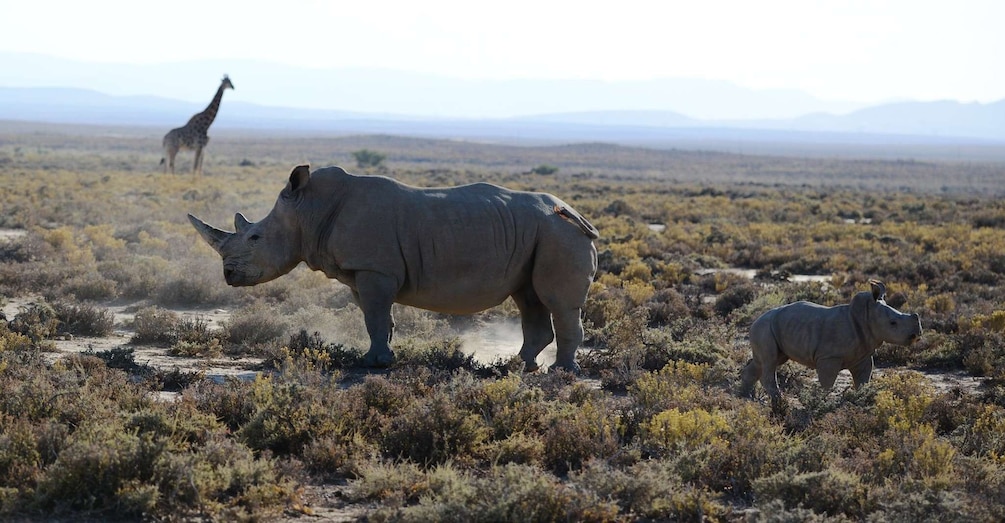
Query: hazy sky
x=866 y=51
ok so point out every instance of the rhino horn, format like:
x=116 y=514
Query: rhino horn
x=213 y=236
x=878 y=290
x=240 y=223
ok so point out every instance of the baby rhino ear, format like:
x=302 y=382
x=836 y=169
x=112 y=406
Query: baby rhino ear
x=299 y=177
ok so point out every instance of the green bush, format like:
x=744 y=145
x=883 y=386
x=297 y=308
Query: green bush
x=366 y=158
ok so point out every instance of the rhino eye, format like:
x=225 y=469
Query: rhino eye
x=254 y=237
x=893 y=322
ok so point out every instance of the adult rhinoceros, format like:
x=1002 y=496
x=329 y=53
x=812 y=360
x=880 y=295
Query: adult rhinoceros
x=827 y=339
x=454 y=250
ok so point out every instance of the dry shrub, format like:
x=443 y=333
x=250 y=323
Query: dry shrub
x=505 y=493
x=650 y=489
x=434 y=431
x=231 y=402
x=155 y=325
x=255 y=325
x=84 y=319
x=37 y=321
x=576 y=434
x=509 y=405
x=339 y=455
x=291 y=411
x=829 y=492
x=314 y=351
x=985 y=436
x=194 y=338
x=526 y=449
x=734 y=297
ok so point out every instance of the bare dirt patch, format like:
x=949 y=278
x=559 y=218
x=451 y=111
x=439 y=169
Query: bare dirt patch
x=12 y=234
x=217 y=369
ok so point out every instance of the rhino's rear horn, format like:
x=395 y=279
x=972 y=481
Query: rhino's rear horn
x=213 y=236
x=241 y=223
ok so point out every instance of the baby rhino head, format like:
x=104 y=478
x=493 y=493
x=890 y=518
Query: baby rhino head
x=262 y=251
x=883 y=321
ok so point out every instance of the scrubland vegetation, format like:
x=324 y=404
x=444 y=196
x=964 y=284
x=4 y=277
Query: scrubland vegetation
x=652 y=431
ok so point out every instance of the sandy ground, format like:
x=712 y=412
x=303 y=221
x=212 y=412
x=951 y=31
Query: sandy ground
x=494 y=342
x=489 y=344
x=11 y=234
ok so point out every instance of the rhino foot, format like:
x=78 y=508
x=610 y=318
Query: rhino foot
x=531 y=367
x=573 y=367
x=378 y=359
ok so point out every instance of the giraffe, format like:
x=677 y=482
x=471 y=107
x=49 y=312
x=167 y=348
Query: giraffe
x=193 y=134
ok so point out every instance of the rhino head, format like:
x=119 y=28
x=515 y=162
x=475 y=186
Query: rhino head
x=885 y=323
x=265 y=250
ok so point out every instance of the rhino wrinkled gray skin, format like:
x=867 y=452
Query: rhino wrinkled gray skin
x=454 y=250
x=827 y=339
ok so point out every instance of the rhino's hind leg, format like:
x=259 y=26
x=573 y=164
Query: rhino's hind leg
x=375 y=294
x=769 y=379
x=748 y=377
x=569 y=331
x=535 y=320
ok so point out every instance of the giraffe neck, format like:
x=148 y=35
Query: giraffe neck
x=209 y=114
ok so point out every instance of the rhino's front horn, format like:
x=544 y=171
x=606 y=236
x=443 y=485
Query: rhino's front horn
x=213 y=236
x=240 y=223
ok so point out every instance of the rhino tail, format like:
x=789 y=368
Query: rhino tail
x=588 y=229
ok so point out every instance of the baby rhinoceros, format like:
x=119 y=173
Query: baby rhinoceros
x=827 y=339
x=456 y=250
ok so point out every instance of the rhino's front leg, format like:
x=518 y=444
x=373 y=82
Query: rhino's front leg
x=375 y=293
x=861 y=372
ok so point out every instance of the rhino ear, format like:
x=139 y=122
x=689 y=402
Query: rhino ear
x=213 y=236
x=299 y=177
x=241 y=223
x=860 y=303
x=878 y=290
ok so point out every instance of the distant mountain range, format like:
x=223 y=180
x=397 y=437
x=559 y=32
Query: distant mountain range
x=658 y=112
x=905 y=121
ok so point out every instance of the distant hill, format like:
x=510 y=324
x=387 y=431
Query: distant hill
x=938 y=130
x=945 y=118
x=925 y=120
x=379 y=91
x=661 y=112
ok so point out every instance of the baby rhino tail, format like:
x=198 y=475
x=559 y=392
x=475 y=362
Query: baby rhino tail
x=569 y=214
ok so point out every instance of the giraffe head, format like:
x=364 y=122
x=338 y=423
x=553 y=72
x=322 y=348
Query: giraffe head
x=225 y=83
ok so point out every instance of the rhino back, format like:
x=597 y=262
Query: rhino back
x=458 y=249
x=807 y=332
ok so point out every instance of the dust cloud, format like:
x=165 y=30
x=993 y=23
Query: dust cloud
x=495 y=341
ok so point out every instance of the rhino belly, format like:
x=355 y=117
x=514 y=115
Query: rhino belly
x=463 y=275
x=463 y=296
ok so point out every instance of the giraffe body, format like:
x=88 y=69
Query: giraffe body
x=194 y=134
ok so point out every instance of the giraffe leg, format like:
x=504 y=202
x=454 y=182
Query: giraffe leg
x=197 y=166
x=171 y=154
